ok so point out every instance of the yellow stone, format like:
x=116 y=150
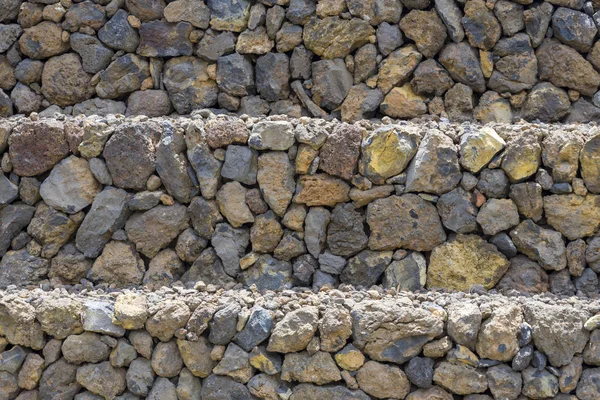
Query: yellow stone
x=402 y=102
x=248 y=260
x=304 y=158
x=465 y=261
x=349 y=358
x=387 y=151
x=522 y=158
x=462 y=355
x=478 y=147
x=487 y=62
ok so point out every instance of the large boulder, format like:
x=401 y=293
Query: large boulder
x=465 y=261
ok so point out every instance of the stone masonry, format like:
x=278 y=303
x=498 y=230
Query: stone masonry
x=464 y=60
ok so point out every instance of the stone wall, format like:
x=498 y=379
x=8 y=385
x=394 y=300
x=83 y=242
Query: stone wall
x=494 y=60
x=338 y=345
x=217 y=201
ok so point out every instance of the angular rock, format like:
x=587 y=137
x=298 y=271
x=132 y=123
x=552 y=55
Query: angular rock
x=138 y=142
x=396 y=69
x=122 y=76
x=524 y=275
x=228 y=15
x=13 y=219
x=230 y=245
x=462 y=63
x=95 y=56
x=565 y=67
x=345 y=232
x=189 y=85
x=71 y=186
x=558 y=341
x=497 y=215
x=574 y=28
x=118 y=264
x=572 y=215
x=267 y=274
x=118 y=34
x=303 y=367
x=451 y=15
x=426 y=29
x=473 y=260
x=464 y=321
x=272 y=76
x=276 y=180
x=165 y=39
x=153 y=230
x=478 y=148
x=333 y=37
x=408 y=274
x=146 y=10
x=361 y=103
x=295 y=331
x=542 y=245
x=498 y=335
x=460 y=379
x=235 y=75
x=194 y=12
x=436 y=153
x=366 y=268
x=376 y=12
x=457 y=211
x=546 y=103
x=481 y=26
x=431 y=78
x=52 y=229
x=402 y=102
x=405 y=221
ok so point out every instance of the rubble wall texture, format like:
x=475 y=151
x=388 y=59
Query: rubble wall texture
x=276 y=203
x=351 y=59
x=338 y=345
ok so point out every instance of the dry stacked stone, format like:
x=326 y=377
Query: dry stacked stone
x=338 y=344
x=275 y=203
x=464 y=60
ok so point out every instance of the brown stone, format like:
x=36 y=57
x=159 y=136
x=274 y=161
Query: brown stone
x=321 y=190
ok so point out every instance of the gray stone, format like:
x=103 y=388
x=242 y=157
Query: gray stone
x=101 y=107
x=107 y=215
x=207 y=268
x=497 y=215
x=272 y=76
x=542 y=245
x=224 y=388
x=8 y=35
x=230 y=244
x=462 y=63
x=189 y=85
x=235 y=75
x=316 y=222
x=211 y=47
x=153 y=230
x=537 y=19
x=223 y=324
x=241 y=164
x=408 y=274
x=493 y=183
x=94 y=55
x=457 y=211
x=419 y=371
x=331 y=83
x=268 y=274
x=365 y=268
x=574 y=28
x=9 y=192
x=346 y=232
x=165 y=39
x=436 y=153
x=29 y=71
x=118 y=34
x=228 y=15
x=140 y=376
x=389 y=38
x=71 y=186
x=122 y=76
x=510 y=16
x=151 y=103
x=172 y=166
x=331 y=263
x=256 y=330
x=451 y=15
